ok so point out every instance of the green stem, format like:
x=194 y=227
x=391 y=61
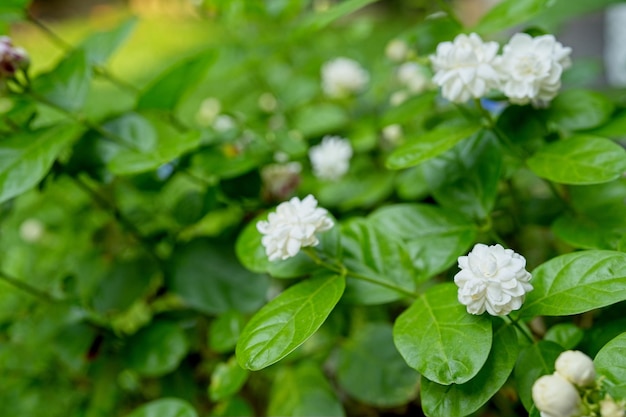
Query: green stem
x=341 y=269
x=523 y=329
x=27 y=288
x=503 y=137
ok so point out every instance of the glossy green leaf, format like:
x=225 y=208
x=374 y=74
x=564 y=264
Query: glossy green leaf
x=510 y=13
x=170 y=407
x=610 y=362
x=408 y=110
x=225 y=331
x=226 y=380
x=303 y=391
x=151 y=141
x=232 y=406
x=381 y=258
x=322 y=19
x=316 y=120
x=580 y=109
x=567 y=335
x=575 y=283
x=435 y=237
x=101 y=45
x=581 y=159
x=176 y=82
x=288 y=321
x=208 y=278
x=459 y=400
x=67 y=85
x=466 y=177
x=440 y=339
x=371 y=370
x=157 y=349
x=603 y=229
x=533 y=362
x=26 y=158
x=429 y=145
x=122 y=285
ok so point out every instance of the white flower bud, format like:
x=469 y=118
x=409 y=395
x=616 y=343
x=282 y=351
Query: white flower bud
x=392 y=133
x=331 y=158
x=397 y=50
x=31 y=230
x=576 y=367
x=555 y=396
x=610 y=408
x=342 y=77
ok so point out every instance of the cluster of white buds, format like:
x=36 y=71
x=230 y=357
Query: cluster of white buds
x=559 y=394
x=528 y=71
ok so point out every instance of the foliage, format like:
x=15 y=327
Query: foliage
x=133 y=279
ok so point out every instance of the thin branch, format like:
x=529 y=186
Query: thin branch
x=27 y=288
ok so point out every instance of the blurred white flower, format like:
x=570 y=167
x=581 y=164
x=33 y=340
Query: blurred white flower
x=342 y=77
x=31 y=230
x=493 y=279
x=398 y=98
x=392 y=133
x=397 y=50
x=281 y=180
x=267 y=102
x=576 y=367
x=12 y=58
x=331 y=158
x=413 y=77
x=611 y=408
x=223 y=123
x=208 y=111
x=464 y=68
x=554 y=396
x=530 y=68
x=293 y=226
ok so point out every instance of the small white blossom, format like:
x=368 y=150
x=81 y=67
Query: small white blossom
x=554 y=396
x=267 y=102
x=331 y=158
x=413 y=77
x=293 y=226
x=281 y=180
x=576 y=367
x=223 y=123
x=493 y=279
x=208 y=111
x=12 y=58
x=392 y=133
x=464 y=68
x=31 y=230
x=398 y=98
x=530 y=68
x=342 y=77
x=397 y=50
x=610 y=408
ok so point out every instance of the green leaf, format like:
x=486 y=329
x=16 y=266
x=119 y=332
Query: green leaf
x=156 y=350
x=430 y=144
x=379 y=257
x=437 y=336
x=226 y=380
x=303 y=391
x=318 y=119
x=408 y=110
x=610 y=362
x=13 y=11
x=575 y=283
x=67 y=85
x=371 y=370
x=581 y=159
x=533 y=362
x=288 y=321
x=208 y=278
x=509 y=13
x=458 y=400
x=435 y=237
x=567 y=335
x=602 y=230
x=232 y=406
x=225 y=331
x=432 y=31
x=123 y=284
x=176 y=82
x=318 y=21
x=579 y=109
x=170 y=407
x=26 y=157
x=100 y=46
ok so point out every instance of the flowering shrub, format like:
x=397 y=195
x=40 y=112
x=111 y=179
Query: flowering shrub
x=259 y=225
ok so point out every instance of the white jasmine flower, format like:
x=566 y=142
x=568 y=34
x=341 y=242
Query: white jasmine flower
x=392 y=133
x=398 y=98
x=281 y=180
x=464 y=68
x=576 y=367
x=554 y=396
x=493 y=279
x=397 y=50
x=342 y=77
x=12 y=58
x=223 y=123
x=267 y=102
x=293 y=226
x=530 y=68
x=31 y=230
x=610 y=408
x=208 y=111
x=331 y=158
x=412 y=76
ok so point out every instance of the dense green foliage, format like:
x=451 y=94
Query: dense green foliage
x=133 y=281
